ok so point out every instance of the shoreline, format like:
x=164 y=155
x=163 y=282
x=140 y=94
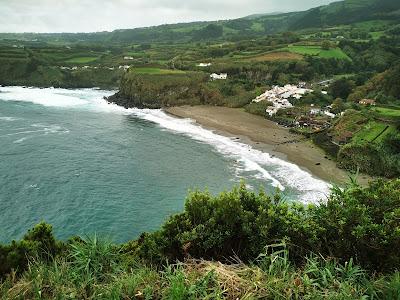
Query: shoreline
x=266 y=136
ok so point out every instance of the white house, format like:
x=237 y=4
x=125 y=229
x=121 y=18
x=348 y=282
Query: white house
x=222 y=76
x=271 y=110
x=279 y=96
x=302 y=84
x=315 y=111
x=128 y=58
x=329 y=114
x=204 y=64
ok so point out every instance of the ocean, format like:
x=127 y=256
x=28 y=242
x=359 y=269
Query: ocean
x=69 y=158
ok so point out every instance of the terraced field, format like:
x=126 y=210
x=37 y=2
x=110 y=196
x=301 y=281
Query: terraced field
x=373 y=131
x=275 y=56
x=12 y=53
x=317 y=51
x=156 y=71
x=388 y=112
x=82 y=60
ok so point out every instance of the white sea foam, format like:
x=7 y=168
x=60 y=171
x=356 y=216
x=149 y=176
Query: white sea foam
x=281 y=173
x=21 y=140
x=39 y=128
x=46 y=97
x=8 y=119
x=249 y=161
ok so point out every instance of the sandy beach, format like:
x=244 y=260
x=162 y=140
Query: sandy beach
x=267 y=136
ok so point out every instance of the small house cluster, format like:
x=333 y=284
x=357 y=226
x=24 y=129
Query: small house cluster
x=75 y=68
x=311 y=118
x=126 y=67
x=367 y=102
x=222 y=76
x=279 y=96
x=204 y=65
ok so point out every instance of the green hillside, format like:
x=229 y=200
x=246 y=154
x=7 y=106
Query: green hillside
x=337 y=13
x=347 y=12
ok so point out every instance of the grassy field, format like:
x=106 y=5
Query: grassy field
x=155 y=71
x=82 y=60
x=388 y=112
x=371 y=131
x=134 y=54
x=317 y=51
x=367 y=25
x=377 y=34
x=274 y=56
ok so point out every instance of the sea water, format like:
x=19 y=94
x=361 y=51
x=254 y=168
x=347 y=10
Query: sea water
x=69 y=158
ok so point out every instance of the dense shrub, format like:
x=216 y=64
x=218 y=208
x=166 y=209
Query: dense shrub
x=375 y=159
x=38 y=242
x=364 y=156
x=356 y=222
x=362 y=223
x=237 y=223
x=353 y=223
x=258 y=108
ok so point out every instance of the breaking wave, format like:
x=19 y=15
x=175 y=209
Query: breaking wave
x=247 y=160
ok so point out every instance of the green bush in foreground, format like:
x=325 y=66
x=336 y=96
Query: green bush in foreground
x=254 y=246
x=38 y=243
x=357 y=222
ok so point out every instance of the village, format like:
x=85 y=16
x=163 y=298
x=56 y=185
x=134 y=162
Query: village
x=75 y=68
x=283 y=109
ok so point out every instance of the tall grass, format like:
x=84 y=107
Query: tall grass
x=95 y=269
x=94 y=258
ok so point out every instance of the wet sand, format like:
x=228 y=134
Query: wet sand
x=267 y=136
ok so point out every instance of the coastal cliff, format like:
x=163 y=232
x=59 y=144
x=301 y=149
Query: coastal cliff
x=157 y=90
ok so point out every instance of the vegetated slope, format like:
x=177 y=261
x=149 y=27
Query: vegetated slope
x=258 y=247
x=346 y=12
x=151 y=89
x=156 y=88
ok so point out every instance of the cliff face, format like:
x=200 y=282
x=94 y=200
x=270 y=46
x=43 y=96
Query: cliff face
x=159 y=90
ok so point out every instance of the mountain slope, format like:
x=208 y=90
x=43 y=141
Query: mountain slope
x=337 y=13
x=347 y=12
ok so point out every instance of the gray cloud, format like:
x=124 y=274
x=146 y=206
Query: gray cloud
x=94 y=15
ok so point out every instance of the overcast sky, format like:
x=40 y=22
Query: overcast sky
x=96 y=15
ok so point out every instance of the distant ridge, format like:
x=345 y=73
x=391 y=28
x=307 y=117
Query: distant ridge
x=255 y=16
x=336 y=13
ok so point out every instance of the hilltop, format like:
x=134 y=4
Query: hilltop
x=338 y=13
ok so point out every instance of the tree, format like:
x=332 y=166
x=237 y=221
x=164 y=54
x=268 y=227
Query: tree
x=341 y=88
x=326 y=45
x=144 y=47
x=211 y=31
x=391 y=82
x=338 y=106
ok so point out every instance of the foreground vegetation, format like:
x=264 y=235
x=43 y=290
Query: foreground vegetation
x=238 y=245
